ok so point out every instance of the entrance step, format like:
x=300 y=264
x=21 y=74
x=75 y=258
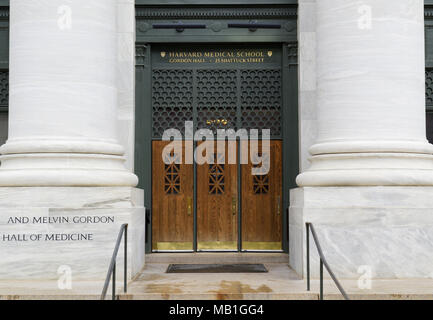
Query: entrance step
x=217 y=258
x=280 y=283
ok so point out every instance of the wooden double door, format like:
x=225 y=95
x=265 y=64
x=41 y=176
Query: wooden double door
x=218 y=204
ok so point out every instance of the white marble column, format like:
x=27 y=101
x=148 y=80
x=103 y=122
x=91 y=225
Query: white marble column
x=370 y=95
x=63 y=96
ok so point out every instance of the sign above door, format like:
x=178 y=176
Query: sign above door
x=218 y=55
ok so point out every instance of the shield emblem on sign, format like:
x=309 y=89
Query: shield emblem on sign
x=270 y=53
x=163 y=54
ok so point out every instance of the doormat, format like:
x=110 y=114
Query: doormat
x=216 y=268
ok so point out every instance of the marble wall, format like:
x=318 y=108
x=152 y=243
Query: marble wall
x=39 y=237
x=387 y=231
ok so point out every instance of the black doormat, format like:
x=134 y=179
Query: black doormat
x=216 y=268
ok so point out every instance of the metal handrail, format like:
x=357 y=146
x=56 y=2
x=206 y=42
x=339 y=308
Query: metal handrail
x=112 y=268
x=323 y=261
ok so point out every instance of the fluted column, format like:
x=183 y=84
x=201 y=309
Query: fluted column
x=63 y=96
x=370 y=95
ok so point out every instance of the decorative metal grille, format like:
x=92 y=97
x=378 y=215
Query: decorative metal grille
x=171 y=100
x=261 y=184
x=217 y=175
x=261 y=180
x=216 y=99
x=429 y=86
x=261 y=100
x=172 y=181
x=4 y=88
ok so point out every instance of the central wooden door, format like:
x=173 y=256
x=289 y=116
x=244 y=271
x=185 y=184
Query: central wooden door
x=217 y=201
x=217 y=205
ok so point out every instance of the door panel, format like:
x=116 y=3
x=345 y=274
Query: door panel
x=217 y=207
x=229 y=87
x=172 y=201
x=262 y=203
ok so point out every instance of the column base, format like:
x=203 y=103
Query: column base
x=64 y=169
x=388 y=230
x=369 y=169
x=56 y=233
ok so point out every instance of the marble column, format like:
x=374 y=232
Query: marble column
x=63 y=96
x=370 y=95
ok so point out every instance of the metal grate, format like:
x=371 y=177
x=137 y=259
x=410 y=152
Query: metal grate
x=261 y=100
x=429 y=87
x=261 y=180
x=4 y=88
x=217 y=175
x=261 y=184
x=172 y=182
x=171 y=100
x=217 y=99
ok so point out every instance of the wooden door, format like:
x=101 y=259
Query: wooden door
x=217 y=204
x=172 y=200
x=262 y=202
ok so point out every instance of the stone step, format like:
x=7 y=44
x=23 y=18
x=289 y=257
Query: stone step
x=273 y=296
x=53 y=296
x=213 y=258
x=220 y=297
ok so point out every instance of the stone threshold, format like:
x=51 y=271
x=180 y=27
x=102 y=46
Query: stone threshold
x=217 y=257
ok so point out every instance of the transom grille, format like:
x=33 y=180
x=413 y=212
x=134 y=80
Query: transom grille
x=171 y=100
x=217 y=99
x=261 y=100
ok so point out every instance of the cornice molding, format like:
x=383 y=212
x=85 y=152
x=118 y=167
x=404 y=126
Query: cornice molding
x=275 y=12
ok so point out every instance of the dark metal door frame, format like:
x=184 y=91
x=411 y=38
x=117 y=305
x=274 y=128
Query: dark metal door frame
x=285 y=14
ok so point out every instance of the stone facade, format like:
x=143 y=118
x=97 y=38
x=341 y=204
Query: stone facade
x=367 y=188
x=70 y=146
x=366 y=166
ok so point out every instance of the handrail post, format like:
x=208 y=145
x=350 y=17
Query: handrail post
x=321 y=279
x=111 y=274
x=323 y=262
x=114 y=282
x=308 y=257
x=125 y=275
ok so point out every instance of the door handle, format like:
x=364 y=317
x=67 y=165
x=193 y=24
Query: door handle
x=278 y=205
x=234 y=206
x=189 y=208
